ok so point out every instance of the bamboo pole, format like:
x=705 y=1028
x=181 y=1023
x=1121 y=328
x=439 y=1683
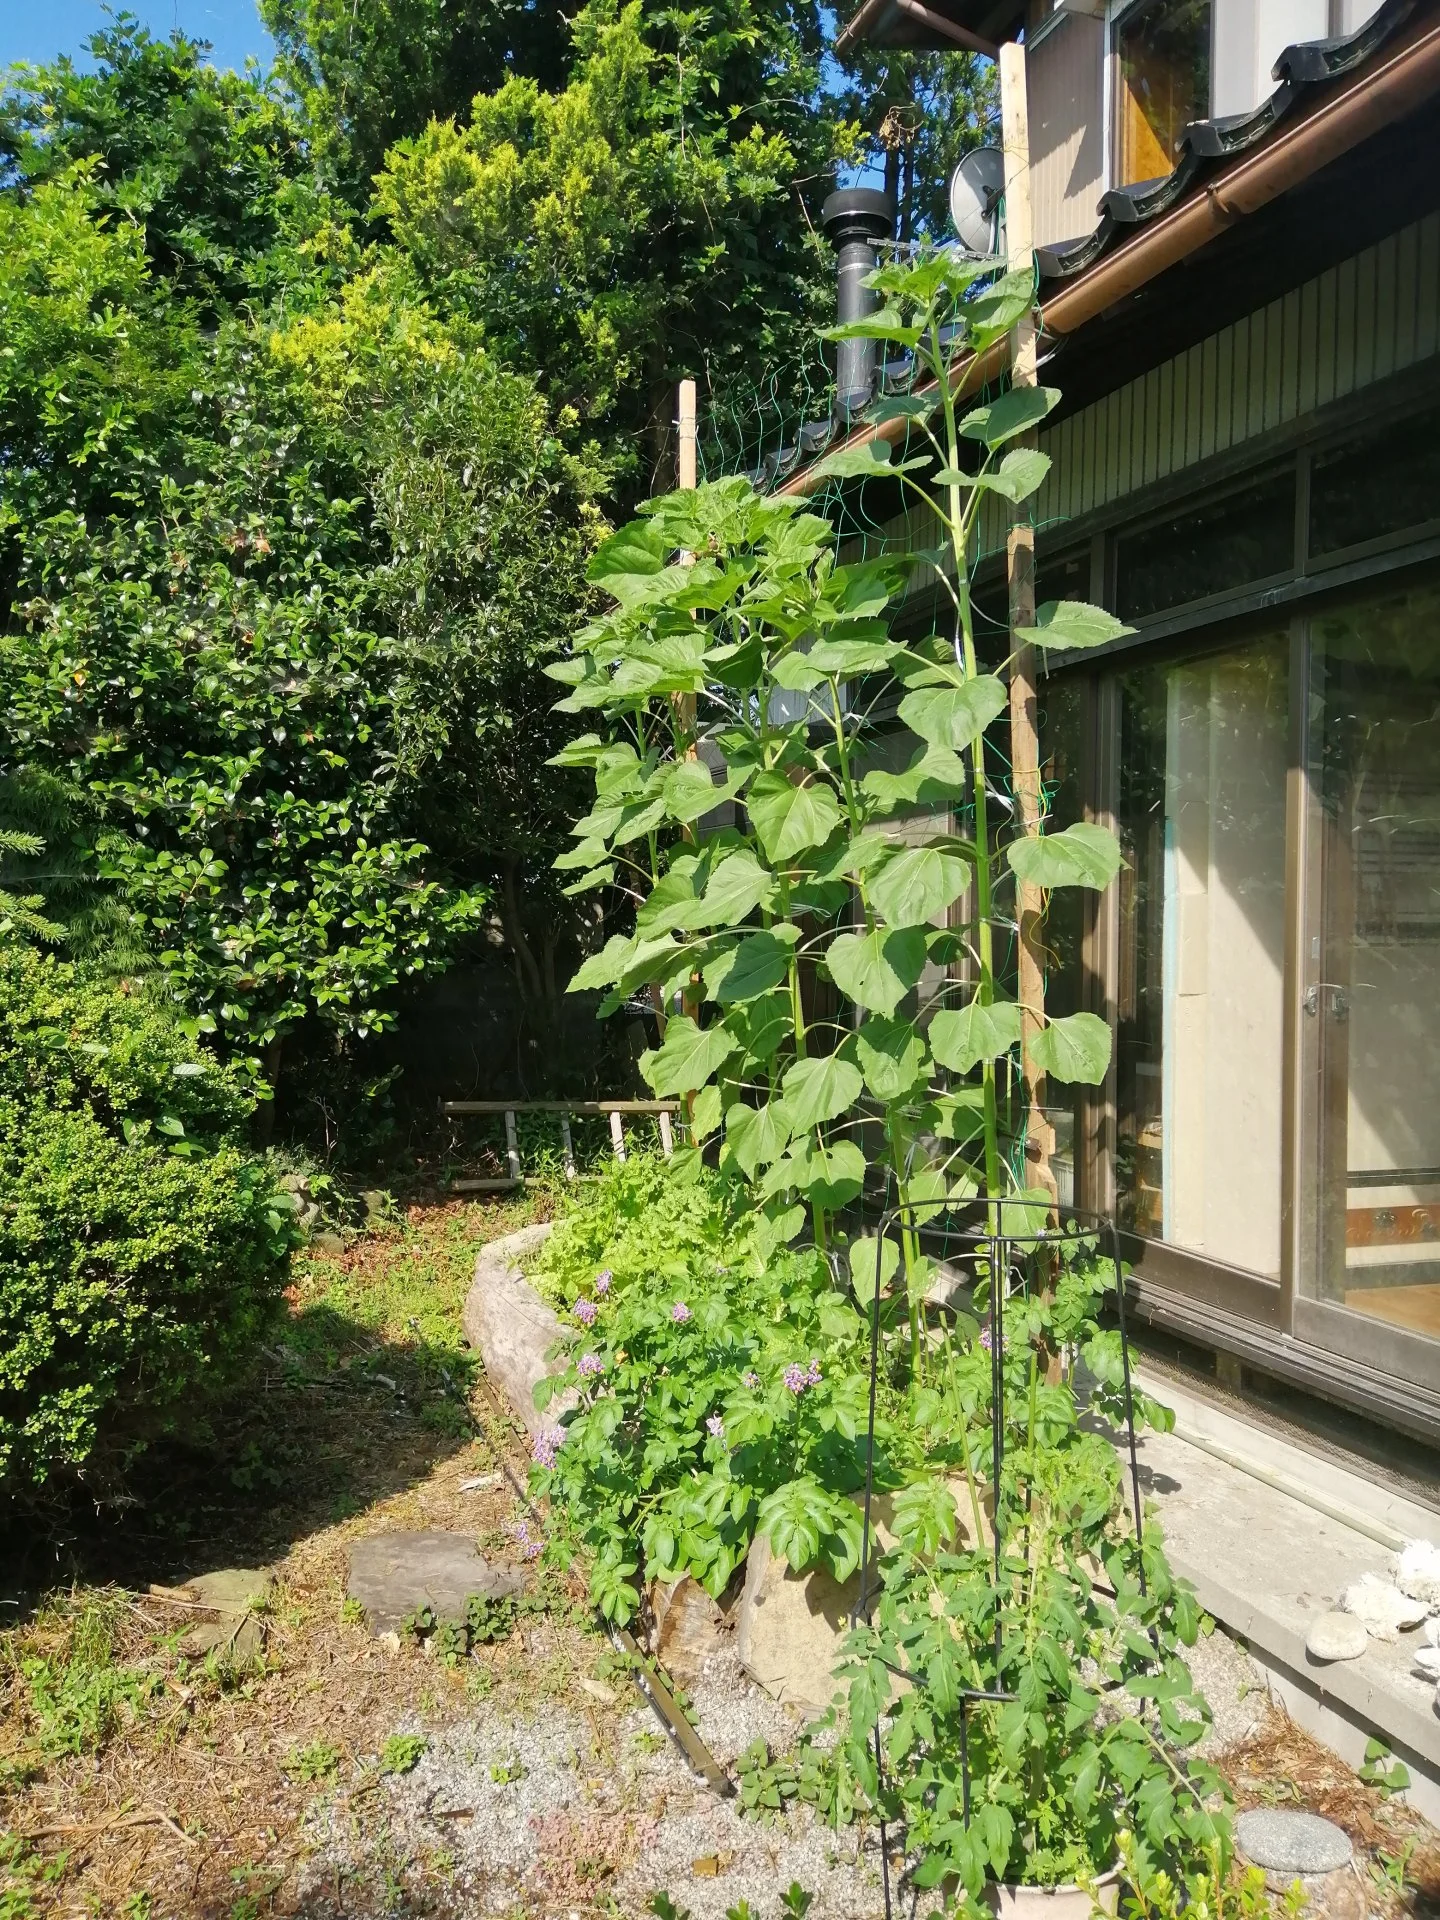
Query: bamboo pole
x=1020 y=568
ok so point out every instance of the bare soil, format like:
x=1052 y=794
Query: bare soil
x=139 y=1779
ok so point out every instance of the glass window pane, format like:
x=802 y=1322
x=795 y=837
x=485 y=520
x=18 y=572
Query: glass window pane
x=1164 y=61
x=1231 y=542
x=1203 y=759
x=1375 y=486
x=1375 y=759
x=1066 y=577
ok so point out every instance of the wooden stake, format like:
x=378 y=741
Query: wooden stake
x=688 y=465
x=688 y=471
x=1020 y=566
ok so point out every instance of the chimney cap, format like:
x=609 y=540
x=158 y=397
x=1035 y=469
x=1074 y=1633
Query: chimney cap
x=858 y=213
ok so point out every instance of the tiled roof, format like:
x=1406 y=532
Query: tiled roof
x=1206 y=144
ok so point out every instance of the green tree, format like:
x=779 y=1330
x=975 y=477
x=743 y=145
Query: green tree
x=207 y=665
x=653 y=218
x=198 y=159
x=280 y=571
x=370 y=72
x=488 y=523
x=921 y=112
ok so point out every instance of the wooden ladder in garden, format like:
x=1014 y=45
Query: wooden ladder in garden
x=664 y=1110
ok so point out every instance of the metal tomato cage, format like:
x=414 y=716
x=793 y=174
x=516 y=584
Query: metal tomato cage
x=982 y=1241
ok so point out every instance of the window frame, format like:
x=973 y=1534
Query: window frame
x=1121 y=12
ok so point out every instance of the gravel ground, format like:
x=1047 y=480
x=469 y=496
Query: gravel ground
x=1235 y=1689
x=570 y=1803
x=575 y=1805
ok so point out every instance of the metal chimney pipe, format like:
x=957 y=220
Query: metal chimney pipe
x=855 y=220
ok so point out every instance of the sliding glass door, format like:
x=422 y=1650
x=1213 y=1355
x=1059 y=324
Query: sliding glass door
x=1200 y=980
x=1369 y=1267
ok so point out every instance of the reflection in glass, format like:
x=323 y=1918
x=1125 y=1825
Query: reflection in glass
x=1164 y=62
x=1375 y=959
x=1382 y=484
x=1200 y=989
x=1230 y=542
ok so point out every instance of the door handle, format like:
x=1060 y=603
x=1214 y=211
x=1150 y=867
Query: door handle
x=1337 y=1000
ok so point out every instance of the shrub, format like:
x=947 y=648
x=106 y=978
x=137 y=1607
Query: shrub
x=643 y=1226
x=722 y=1392
x=142 y=1247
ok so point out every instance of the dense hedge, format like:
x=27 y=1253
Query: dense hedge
x=142 y=1247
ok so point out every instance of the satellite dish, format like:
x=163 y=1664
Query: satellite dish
x=977 y=194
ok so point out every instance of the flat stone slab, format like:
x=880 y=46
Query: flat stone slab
x=233 y=1589
x=234 y=1593
x=394 y=1574
x=1283 y=1841
x=1336 y=1636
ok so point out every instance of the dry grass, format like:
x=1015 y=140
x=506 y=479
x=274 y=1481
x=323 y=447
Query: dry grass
x=183 y=1791
x=1282 y=1765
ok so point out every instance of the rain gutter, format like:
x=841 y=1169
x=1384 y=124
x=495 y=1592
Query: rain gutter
x=1406 y=76
x=857 y=30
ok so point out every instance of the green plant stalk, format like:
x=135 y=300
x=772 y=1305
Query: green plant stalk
x=957 y=525
x=909 y=1238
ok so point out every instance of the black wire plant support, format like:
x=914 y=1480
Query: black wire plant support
x=996 y=1252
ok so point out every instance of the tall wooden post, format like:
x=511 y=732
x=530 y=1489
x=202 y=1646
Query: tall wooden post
x=1020 y=560
x=688 y=423
x=687 y=471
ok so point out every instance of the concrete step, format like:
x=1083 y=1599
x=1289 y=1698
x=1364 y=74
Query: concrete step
x=1270 y=1534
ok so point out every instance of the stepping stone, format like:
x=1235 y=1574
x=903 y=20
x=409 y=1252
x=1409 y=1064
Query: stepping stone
x=1283 y=1841
x=393 y=1574
x=233 y=1589
x=238 y=1636
x=1336 y=1636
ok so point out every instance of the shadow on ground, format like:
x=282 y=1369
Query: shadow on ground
x=360 y=1392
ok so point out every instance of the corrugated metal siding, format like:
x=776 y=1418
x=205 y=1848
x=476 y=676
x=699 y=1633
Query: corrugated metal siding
x=1063 y=76
x=1361 y=321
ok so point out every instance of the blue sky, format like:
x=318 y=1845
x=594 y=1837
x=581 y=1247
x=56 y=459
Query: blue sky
x=40 y=29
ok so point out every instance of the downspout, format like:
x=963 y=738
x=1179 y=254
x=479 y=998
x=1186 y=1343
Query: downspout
x=1402 y=81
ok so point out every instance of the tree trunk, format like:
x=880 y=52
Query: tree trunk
x=265 y=1112
x=513 y=922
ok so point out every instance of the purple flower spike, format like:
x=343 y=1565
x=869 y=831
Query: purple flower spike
x=750 y=1378
x=985 y=1340
x=548 y=1443
x=585 y=1312
x=812 y=1376
x=680 y=1312
x=590 y=1364
x=795 y=1377
x=529 y=1549
x=716 y=1427
x=602 y=1280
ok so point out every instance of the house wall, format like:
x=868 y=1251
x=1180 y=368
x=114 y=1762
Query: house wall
x=1248 y=38
x=1064 y=78
x=1360 y=321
